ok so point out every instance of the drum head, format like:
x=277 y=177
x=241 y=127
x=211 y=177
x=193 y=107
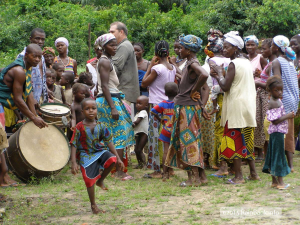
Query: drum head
x=55 y=109
x=45 y=149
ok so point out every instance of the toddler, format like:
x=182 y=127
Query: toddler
x=59 y=69
x=55 y=92
x=79 y=93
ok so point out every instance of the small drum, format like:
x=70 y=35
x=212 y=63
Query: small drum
x=37 y=152
x=53 y=112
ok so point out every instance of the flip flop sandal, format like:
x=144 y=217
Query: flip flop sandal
x=274 y=186
x=147 y=175
x=127 y=178
x=182 y=184
x=230 y=181
x=284 y=188
x=219 y=176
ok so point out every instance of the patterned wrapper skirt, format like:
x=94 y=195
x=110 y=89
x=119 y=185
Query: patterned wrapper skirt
x=185 y=148
x=155 y=147
x=121 y=129
x=219 y=131
x=276 y=163
x=297 y=122
x=207 y=131
x=237 y=143
x=261 y=110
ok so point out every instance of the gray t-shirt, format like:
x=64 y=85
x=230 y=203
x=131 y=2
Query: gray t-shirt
x=126 y=68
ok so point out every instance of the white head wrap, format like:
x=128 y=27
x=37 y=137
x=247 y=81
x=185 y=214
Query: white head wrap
x=64 y=40
x=283 y=43
x=103 y=39
x=233 y=38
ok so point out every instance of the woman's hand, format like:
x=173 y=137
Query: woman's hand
x=74 y=168
x=217 y=71
x=205 y=114
x=154 y=61
x=257 y=73
x=195 y=96
x=115 y=114
x=172 y=60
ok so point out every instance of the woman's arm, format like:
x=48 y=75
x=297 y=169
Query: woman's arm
x=263 y=62
x=225 y=83
x=104 y=67
x=202 y=77
x=150 y=76
x=75 y=67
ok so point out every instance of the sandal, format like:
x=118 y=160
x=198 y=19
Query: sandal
x=230 y=181
x=147 y=175
x=128 y=177
x=219 y=175
x=184 y=184
x=283 y=187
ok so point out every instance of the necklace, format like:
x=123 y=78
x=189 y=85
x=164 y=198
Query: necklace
x=65 y=65
x=178 y=60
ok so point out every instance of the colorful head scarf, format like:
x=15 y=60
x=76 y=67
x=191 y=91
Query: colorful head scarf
x=251 y=38
x=103 y=39
x=283 y=43
x=215 y=42
x=48 y=50
x=191 y=42
x=233 y=38
x=64 y=40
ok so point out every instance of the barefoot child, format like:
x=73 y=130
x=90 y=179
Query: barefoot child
x=67 y=80
x=95 y=162
x=140 y=126
x=79 y=92
x=164 y=112
x=59 y=68
x=276 y=163
x=56 y=93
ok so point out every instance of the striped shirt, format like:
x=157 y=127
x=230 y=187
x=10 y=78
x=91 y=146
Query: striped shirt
x=290 y=98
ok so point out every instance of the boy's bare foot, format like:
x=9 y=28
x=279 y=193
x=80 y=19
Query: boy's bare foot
x=96 y=210
x=100 y=184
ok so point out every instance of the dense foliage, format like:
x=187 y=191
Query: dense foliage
x=147 y=20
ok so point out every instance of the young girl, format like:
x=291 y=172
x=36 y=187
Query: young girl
x=164 y=112
x=140 y=126
x=142 y=65
x=276 y=163
x=49 y=55
x=70 y=64
x=95 y=161
x=79 y=93
x=87 y=79
x=59 y=69
x=56 y=93
x=158 y=74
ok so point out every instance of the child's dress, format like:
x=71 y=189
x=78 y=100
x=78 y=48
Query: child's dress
x=165 y=110
x=91 y=154
x=143 y=126
x=276 y=163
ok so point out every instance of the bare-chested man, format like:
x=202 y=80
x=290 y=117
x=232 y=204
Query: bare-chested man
x=16 y=92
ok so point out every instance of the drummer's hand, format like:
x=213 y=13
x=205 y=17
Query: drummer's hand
x=120 y=164
x=39 y=122
x=74 y=168
x=115 y=114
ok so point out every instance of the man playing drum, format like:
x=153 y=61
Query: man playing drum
x=16 y=92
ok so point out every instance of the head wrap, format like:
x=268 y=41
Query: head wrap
x=251 y=38
x=64 y=40
x=215 y=42
x=191 y=42
x=103 y=39
x=48 y=50
x=283 y=43
x=233 y=38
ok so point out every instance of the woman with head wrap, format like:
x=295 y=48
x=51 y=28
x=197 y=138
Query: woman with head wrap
x=295 y=45
x=283 y=66
x=159 y=72
x=62 y=45
x=49 y=55
x=212 y=131
x=238 y=113
x=258 y=63
x=185 y=151
x=111 y=110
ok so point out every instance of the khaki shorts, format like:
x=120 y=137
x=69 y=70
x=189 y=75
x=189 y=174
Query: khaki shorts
x=3 y=139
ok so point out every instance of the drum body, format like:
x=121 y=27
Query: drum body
x=53 y=112
x=37 y=152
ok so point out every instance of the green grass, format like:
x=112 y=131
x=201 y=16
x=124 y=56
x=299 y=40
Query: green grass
x=63 y=200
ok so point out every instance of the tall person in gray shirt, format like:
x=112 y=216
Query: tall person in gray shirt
x=125 y=63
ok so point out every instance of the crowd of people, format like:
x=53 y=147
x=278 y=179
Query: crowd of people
x=239 y=107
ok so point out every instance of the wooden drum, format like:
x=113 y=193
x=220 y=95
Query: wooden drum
x=37 y=152
x=53 y=112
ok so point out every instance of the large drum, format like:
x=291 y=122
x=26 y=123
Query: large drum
x=53 y=112
x=37 y=152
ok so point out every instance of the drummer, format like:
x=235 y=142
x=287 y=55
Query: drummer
x=16 y=92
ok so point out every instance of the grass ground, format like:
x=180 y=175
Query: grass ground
x=64 y=200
